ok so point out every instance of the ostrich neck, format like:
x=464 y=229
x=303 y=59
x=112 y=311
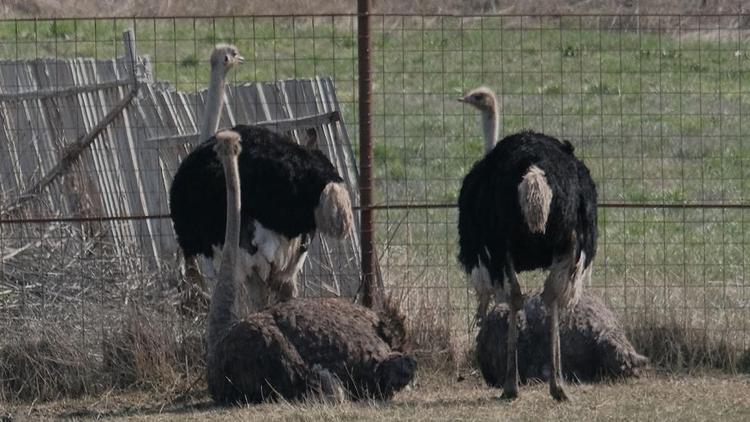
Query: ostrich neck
x=220 y=314
x=214 y=103
x=491 y=128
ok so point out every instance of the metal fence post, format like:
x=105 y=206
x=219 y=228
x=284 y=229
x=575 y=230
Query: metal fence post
x=365 y=151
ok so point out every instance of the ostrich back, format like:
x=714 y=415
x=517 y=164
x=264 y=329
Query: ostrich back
x=281 y=186
x=274 y=352
x=490 y=221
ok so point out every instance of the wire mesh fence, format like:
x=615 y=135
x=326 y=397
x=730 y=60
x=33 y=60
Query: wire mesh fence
x=656 y=106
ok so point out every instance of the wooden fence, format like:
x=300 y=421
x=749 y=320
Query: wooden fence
x=47 y=105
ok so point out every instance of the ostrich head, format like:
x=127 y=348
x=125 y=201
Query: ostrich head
x=484 y=100
x=224 y=56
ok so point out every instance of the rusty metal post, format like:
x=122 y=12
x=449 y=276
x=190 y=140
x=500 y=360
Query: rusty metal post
x=365 y=153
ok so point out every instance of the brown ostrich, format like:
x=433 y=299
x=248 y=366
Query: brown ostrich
x=593 y=343
x=298 y=348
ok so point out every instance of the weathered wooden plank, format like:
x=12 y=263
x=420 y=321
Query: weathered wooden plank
x=277 y=125
x=125 y=196
x=45 y=130
x=9 y=160
x=8 y=173
x=49 y=127
x=61 y=92
x=149 y=119
x=128 y=173
x=146 y=230
x=26 y=142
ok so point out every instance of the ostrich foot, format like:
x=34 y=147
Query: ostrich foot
x=330 y=388
x=510 y=390
x=193 y=298
x=193 y=301
x=558 y=393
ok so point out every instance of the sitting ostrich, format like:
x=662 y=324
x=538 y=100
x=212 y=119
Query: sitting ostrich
x=289 y=191
x=528 y=204
x=299 y=347
x=593 y=343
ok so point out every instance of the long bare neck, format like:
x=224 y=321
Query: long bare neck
x=214 y=103
x=491 y=128
x=220 y=315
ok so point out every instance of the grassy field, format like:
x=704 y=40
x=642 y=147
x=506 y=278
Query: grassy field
x=658 y=116
x=437 y=398
x=107 y=8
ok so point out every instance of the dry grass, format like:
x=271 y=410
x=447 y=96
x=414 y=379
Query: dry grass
x=45 y=367
x=79 y=323
x=672 y=345
x=141 y=344
x=139 y=355
x=127 y=8
x=146 y=354
x=431 y=333
x=436 y=398
x=149 y=352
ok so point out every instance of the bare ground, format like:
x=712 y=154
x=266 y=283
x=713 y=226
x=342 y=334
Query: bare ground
x=435 y=397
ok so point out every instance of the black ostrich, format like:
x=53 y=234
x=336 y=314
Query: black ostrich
x=300 y=347
x=528 y=204
x=289 y=191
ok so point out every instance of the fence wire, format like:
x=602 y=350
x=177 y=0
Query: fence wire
x=656 y=106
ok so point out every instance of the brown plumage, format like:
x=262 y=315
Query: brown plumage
x=593 y=343
x=301 y=347
x=282 y=352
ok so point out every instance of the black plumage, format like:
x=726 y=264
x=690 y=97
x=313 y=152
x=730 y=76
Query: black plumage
x=528 y=204
x=490 y=221
x=281 y=186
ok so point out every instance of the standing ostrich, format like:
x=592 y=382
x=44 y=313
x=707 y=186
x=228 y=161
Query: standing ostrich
x=223 y=58
x=300 y=347
x=528 y=204
x=289 y=191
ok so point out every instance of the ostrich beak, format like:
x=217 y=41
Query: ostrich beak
x=240 y=59
x=462 y=100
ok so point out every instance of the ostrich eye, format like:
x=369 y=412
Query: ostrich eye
x=476 y=97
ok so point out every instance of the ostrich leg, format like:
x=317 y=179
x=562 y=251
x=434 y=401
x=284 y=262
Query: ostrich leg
x=193 y=298
x=515 y=303
x=556 y=388
x=560 y=287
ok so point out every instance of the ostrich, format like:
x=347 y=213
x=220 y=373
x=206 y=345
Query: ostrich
x=223 y=58
x=289 y=191
x=528 y=204
x=593 y=343
x=297 y=348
